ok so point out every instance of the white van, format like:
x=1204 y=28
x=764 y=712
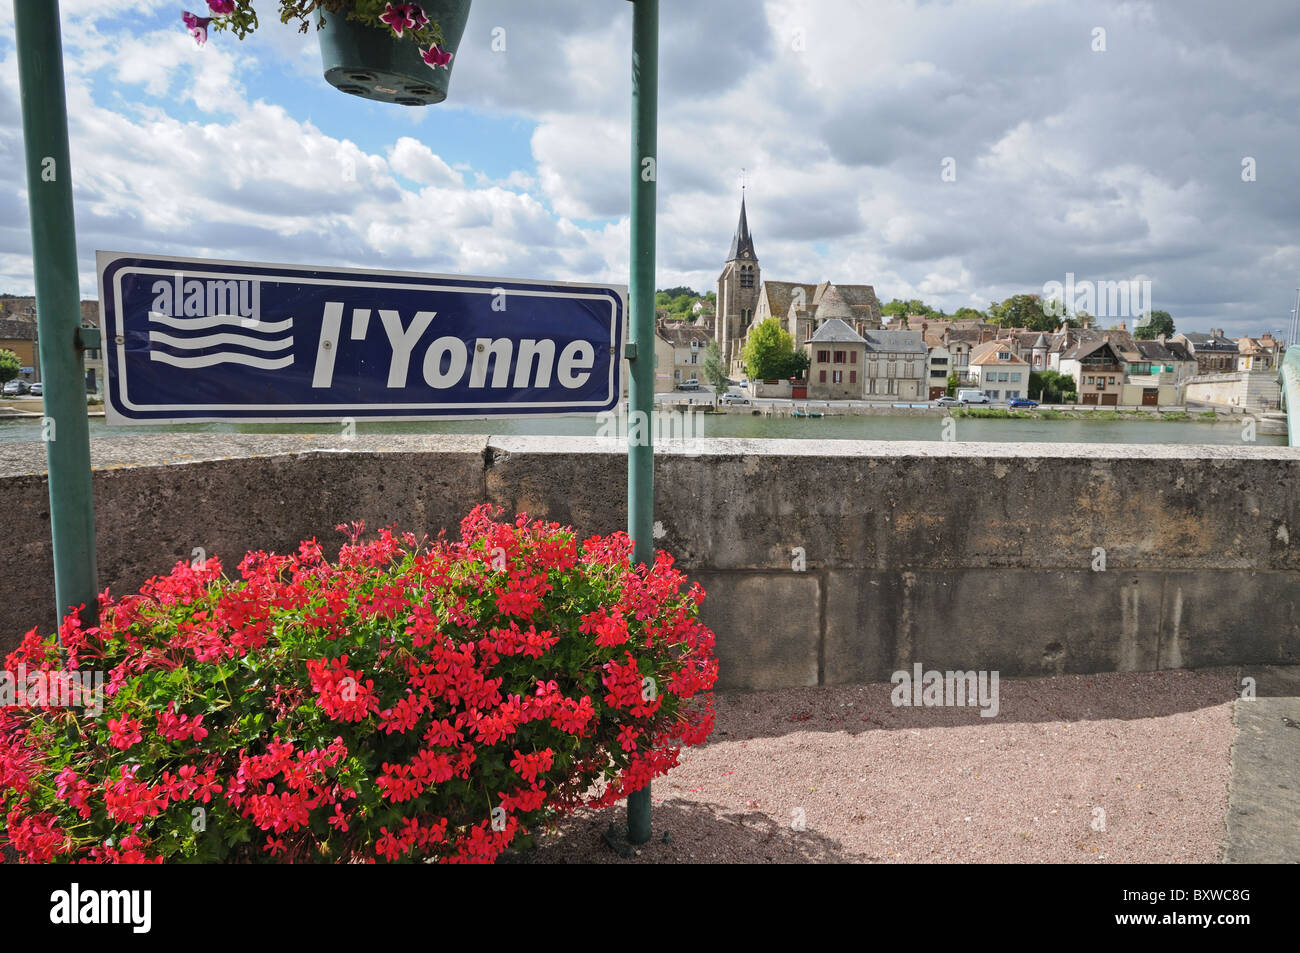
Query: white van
x=972 y=396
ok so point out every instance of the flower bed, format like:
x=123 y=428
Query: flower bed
x=408 y=701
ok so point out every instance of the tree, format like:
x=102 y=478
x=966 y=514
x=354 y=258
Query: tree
x=1152 y=324
x=10 y=365
x=1022 y=311
x=1052 y=387
x=769 y=351
x=954 y=381
x=713 y=370
x=967 y=314
x=796 y=365
x=914 y=306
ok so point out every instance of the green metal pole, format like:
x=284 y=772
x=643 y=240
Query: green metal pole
x=640 y=448
x=65 y=429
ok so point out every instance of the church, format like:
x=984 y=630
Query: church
x=744 y=299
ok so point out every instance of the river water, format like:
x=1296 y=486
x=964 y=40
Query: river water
x=735 y=425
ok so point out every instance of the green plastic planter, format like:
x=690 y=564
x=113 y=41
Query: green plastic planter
x=369 y=62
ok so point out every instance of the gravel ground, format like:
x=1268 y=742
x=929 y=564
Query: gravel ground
x=875 y=783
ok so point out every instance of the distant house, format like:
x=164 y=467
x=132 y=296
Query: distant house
x=1260 y=354
x=1214 y=353
x=896 y=366
x=20 y=337
x=835 y=362
x=997 y=370
x=939 y=363
x=1098 y=369
x=679 y=354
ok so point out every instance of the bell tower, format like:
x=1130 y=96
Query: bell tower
x=737 y=291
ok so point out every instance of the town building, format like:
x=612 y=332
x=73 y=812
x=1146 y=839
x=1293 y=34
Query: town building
x=1098 y=369
x=896 y=365
x=738 y=289
x=1258 y=354
x=20 y=337
x=939 y=362
x=998 y=371
x=1214 y=353
x=836 y=357
x=801 y=308
x=679 y=354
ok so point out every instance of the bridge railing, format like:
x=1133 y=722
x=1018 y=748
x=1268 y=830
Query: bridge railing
x=1289 y=377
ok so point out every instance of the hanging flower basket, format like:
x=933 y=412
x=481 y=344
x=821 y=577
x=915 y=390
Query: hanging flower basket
x=392 y=52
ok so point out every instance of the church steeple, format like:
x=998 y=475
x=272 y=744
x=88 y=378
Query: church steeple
x=742 y=242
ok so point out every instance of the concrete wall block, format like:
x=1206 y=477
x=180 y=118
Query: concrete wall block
x=1017 y=622
x=1230 y=619
x=767 y=625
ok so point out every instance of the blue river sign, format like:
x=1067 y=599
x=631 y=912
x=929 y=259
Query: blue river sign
x=190 y=340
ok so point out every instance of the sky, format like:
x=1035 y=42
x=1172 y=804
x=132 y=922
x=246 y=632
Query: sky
x=958 y=152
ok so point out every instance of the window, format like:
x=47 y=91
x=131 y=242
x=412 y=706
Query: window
x=822 y=379
x=1111 y=381
x=1004 y=355
x=839 y=357
x=1089 y=380
x=992 y=394
x=1015 y=378
x=837 y=377
x=695 y=345
x=853 y=357
x=1012 y=393
x=938 y=360
x=853 y=377
x=823 y=357
x=746 y=276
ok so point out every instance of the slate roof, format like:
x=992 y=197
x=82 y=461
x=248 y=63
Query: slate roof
x=681 y=335
x=1157 y=352
x=742 y=241
x=1207 y=343
x=895 y=342
x=835 y=331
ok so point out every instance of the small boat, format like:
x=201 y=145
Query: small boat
x=807 y=413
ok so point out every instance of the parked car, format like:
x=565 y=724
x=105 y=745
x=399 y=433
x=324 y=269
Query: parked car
x=37 y=389
x=735 y=399
x=1022 y=402
x=970 y=396
x=947 y=401
x=691 y=383
x=15 y=388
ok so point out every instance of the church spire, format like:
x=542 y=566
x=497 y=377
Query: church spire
x=742 y=242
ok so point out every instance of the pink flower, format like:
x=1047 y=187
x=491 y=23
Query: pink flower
x=222 y=6
x=403 y=16
x=198 y=26
x=436 y=56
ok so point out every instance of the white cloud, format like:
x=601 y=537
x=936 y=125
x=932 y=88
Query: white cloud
x=417 y=162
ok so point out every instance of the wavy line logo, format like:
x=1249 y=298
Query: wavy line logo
x=228 y=307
